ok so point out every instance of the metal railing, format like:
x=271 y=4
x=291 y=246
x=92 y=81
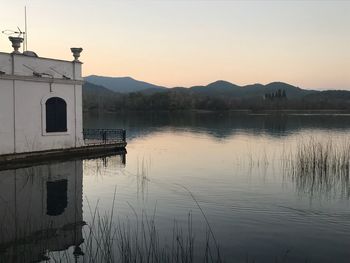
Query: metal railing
x=104 y=136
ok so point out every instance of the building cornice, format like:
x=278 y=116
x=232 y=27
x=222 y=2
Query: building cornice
x=44 y=58
x=41 y=79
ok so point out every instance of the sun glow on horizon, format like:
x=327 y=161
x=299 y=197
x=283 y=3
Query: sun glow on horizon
x=187 y=43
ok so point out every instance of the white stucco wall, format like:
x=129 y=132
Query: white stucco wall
x=79 y=115
x=6 y=117
x=22 y=103
x=5 y=63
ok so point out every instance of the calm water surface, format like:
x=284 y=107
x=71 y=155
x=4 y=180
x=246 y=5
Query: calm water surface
x=232 y=165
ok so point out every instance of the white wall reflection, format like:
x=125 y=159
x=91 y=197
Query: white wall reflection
x=40 y=210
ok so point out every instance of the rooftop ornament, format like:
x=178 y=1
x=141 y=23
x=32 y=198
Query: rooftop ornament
x=16 y=44
x=16 y=41
x=76 y=53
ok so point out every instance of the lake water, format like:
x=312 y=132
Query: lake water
x=226 y=170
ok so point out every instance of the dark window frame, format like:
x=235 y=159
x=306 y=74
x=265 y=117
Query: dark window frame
x=56 y=115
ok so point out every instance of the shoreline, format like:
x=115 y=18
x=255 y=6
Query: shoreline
x=245 y=112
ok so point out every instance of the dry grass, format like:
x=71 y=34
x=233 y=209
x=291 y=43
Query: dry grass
x=139 y=241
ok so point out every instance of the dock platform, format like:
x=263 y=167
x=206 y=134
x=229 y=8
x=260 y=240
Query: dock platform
x=97 y=142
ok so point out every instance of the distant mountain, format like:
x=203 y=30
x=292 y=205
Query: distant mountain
x=222 y=88
x=218 y=88
x=118 y=94
x=123 y=84
x=261 y=90
x=328 y=97
x=97 y=90
x=96 y=97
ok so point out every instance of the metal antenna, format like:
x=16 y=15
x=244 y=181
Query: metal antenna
x=19 y=35
x=25 y=28
x=35 y=73
x=38 y=74
x=63 y=76
x=11 y=32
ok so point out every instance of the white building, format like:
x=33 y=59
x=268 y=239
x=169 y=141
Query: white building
x=40 y=102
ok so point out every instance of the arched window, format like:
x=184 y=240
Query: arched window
x=56 y=115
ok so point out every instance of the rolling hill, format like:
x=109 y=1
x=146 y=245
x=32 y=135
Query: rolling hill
x=216 y=89
x=122 y=84
x=114 y=94
x=222 y=88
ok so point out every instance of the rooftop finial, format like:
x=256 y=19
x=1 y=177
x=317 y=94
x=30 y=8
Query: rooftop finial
x=16 y=44
x=16 y=41
x=76 y=53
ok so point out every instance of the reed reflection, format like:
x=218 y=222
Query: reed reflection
x=321 y=167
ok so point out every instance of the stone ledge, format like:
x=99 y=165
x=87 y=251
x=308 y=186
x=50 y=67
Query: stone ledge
x=20 y=160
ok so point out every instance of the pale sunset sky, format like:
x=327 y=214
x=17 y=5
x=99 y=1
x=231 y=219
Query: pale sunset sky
x=185 y=43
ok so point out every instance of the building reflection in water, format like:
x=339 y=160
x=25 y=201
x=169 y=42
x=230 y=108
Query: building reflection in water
x=41 y=211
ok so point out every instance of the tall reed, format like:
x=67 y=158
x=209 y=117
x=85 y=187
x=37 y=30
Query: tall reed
x=321 y=166
x=139 y=240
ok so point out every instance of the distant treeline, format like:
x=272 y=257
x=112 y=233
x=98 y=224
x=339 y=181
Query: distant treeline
x=279 y=94
x=101 y=99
